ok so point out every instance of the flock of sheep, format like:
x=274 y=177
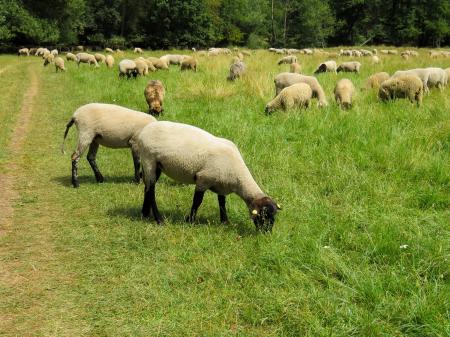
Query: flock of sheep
x=193 y=156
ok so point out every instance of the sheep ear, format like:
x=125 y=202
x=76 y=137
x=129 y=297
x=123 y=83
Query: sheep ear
x=279 y=207
x=255 y=212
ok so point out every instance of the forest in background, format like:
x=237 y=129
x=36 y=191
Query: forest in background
x=163 y=24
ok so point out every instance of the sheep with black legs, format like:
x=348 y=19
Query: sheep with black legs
x=108 y=125
x=191 y=155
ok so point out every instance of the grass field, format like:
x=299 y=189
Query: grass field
x=355 y=187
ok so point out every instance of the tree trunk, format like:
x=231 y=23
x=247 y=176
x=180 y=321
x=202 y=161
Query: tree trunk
x=124 y=14
x=285 y=23
x=273 y=28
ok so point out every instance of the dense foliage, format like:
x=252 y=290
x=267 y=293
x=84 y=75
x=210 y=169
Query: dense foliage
x=200 y=23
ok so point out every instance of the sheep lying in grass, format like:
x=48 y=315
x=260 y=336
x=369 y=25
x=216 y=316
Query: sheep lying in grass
x=86 y=58
x=59 y=64
x=287 y=60
x=109 y=61
x=328 y=66
x=154 y=95
x=23 y=51
x=127 y=68
x=237 y=69
x=296 y=95
x=344 y=92
x=108 y=125
x=193 y=156
x=349 y=67
x=189 y=63
x=100 y=57
x=284 y=80
x=295 y=68
x=402 y=86
x=375 y=80
x=71 y=57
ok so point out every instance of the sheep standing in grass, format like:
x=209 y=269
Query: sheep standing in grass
x=237 y=69
x=193 y=156
x=154 y=95
x=287 y=60
x=71 y=57
x=284 y=80
x=437 y=78
x=423 y=74
x=141 y=67
x=127 y=68
x=344 y=92
x=86 y=58
x=59 y=64
x=402 y=86
x=296 y=95
x=328 y=66
x=108 y=125
x=448 y=73
x=375 y=59
x=54 y=52
x=375 y=80
x=173 y=59
x=189 y=63
x=158 y=63
x=109 y=61
x=138 y=50
x=349 y=67
x=109 y=50
x=295 y=68
x=100 y=57
x=49 y=58
x=23 y=51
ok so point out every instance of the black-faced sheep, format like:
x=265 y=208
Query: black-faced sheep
x=193 y=156
x=127 y=68
x=328 y=66
x=108 y=125
x=296 y=95
x=154 y=95
x=344 y=92
x=23 y=51
x=287 y=60
x=349 y=67
x=402 y=86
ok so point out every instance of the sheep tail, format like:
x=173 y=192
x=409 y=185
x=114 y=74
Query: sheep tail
x=72 y=120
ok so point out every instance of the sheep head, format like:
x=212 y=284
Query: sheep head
x=263 y=213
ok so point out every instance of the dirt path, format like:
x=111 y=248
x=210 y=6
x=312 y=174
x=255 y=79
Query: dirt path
x=7 y=180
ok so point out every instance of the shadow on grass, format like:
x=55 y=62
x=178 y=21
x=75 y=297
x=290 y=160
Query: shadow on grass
x=90 y=180
x=178 y=217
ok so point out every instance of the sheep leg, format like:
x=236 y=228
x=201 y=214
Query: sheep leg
x=92 y=154
x=83 y=143
x=198 y=198
x=222 y=209
x=137 y=165
x=150 y=200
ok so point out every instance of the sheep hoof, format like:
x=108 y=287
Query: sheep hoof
x=100 y=179
x=75 y=184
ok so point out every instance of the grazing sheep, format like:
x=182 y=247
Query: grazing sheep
x=49 y=58
x=141 y=67
x=344 y=92
x=100 y=57
x=423 y=74
x=46 y=53
x=59 y=64
x=237 y=69
x=375 y=80
x=109 y=50
x=23 y=51
x=392 y=52
x=405 y=56
x=349 y=67
x=108 y=125
x=150 y=65
x=189 y=63
x=138 y=50
x=402 y=86
x=193 y=156
x=86 y=58
x=375 y=59
x=158 y=63
x=127 y=68
x=287 y=60
x=173 y=59
x=296 y=95
x=109 y=61
x=448 y=73
x=154 y=95
x=284 y=80
x=41 y=51
x=438 y=78
x=71 y=57
x=295 y=68
x=434 y=54
x=328 y=66
x=54 y=52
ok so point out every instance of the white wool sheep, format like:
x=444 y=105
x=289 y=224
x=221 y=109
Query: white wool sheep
x=284 y=80
x=46 y=53
x=86 y=58
x=287 y=60
x=295 y=68
x=109 y=61
x=141 y=67
x=59 y=64
x=344 y=92
x=402 y=86
x=71 y=57
x=39 y=51
x=138 y=50
x=189 y=63
x=375 y=59
x=109 y=50
x=127 y=68
x=49 y=58
x=296 y=95
x=327 y=66
x=423 y=74
x=108 y=125
x=79 y=48
x=158 y=63
x=173 y=58
x=191 y=155
x=154 y=95
x=438 y=78
x=100 y=57
x=237 y=69
x=23 y=51
x=375 y=80
x=448 y=73
x=54 y=52
x=352 y=66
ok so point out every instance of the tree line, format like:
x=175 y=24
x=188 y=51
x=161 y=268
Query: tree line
x=162 y=24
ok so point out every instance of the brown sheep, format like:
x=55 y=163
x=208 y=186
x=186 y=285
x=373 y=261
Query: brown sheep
x=402 y=86
x=154 y=95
